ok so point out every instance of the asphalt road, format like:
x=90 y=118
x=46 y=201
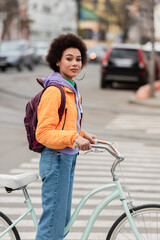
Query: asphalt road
x=105 y=112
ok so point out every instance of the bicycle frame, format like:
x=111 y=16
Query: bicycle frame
x=29 y=210
x=117 y=193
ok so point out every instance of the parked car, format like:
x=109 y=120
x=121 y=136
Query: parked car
x=96 y=52
x=16 y=54
x=124 y=63
x=41 y=50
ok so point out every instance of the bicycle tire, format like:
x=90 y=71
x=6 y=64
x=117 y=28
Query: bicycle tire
x=5 y=222
x=147 y=219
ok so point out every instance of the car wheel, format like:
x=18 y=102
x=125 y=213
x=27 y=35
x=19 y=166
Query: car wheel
x=103 y=83
x=3 y=69
x=30 y=66
x=20 y=66
x=109 y=85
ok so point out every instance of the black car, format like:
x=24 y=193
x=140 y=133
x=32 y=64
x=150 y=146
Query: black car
x=124 y=63
x=16 y=54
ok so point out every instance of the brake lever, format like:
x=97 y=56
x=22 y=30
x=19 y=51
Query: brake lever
x=96 y=150
x=89 y=151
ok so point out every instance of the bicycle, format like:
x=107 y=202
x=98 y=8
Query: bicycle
x=141 y=222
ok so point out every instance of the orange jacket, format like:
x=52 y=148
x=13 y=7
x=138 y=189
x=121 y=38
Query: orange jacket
x=49 y=130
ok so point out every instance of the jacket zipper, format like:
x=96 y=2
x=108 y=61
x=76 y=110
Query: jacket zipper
x=64 y=118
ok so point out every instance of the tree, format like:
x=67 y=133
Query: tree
x=120 y=11
x=10 y=8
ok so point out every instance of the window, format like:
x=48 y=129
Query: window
x=34 y=6
x=124 y=53
x=87 y=34
x=46 y=9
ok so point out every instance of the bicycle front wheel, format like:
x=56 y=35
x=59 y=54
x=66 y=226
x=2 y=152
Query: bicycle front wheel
x=147 y=220
x=5 y=222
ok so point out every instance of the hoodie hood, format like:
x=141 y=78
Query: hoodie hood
x=57 y=77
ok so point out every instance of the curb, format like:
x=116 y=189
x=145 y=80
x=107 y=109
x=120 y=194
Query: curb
x=150 y=102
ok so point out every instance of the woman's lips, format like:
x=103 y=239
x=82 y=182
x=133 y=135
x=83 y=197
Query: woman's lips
x=74 y=70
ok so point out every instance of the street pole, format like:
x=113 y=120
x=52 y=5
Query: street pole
x=78 y=16
x=152 y=59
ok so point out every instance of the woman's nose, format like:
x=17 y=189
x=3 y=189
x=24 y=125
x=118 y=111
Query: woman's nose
x=74 y=62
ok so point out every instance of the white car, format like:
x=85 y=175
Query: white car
x=41 y=50
x=16 y=53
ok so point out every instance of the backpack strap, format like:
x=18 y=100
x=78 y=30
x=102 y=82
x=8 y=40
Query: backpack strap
x=63 y=96
x=39 y=80
x=63 y=99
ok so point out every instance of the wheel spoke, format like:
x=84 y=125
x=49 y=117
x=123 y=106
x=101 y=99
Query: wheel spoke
x=146 y=218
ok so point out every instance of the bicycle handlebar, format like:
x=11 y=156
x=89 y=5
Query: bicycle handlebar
x=109 y=147
x=100 y=144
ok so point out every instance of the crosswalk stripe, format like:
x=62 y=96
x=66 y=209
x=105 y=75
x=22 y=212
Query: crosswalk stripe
x=101 y=162
x=36 y=200
x=76 y=235
x=131 y=122
x=81 y=193
x=147 y=173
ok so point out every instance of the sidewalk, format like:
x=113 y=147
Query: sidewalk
x=150 y=102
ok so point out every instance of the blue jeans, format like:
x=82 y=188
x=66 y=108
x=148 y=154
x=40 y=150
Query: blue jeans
x=57 y=173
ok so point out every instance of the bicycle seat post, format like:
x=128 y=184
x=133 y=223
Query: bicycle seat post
x=25 y=192
x=30 y=206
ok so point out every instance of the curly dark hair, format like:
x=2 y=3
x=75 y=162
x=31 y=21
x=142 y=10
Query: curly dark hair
x=60 y=44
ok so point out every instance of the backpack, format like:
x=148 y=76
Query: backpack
x=30 y=120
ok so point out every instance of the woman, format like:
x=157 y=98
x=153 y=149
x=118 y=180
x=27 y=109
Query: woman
x=66 y=57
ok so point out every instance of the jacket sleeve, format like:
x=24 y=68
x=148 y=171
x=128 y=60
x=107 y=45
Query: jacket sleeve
x=48 y=119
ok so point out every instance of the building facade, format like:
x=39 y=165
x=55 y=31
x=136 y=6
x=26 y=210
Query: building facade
x=157 y=22
x=38 y=20
x=112 y=15
x=142 y=21
x=51 y=18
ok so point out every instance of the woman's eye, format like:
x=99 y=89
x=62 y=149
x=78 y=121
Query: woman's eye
x=69 y=59
x=79 y=60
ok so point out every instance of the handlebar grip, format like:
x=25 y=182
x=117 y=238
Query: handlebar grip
x=76 y=145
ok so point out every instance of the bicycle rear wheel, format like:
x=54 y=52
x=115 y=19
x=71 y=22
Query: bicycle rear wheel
x=147 y=220
x=5 y=222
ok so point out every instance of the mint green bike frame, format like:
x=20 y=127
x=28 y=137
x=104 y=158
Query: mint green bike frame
x=116 y=193
x=29 y=210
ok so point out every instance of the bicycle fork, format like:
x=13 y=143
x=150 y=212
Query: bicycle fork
x=127 y=211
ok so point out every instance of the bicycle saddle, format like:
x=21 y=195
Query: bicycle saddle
x=17 y=181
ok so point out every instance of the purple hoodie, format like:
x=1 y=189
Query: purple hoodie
x=56 y=77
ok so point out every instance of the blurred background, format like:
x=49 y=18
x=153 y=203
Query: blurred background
x=28 y=26
x=96 y=21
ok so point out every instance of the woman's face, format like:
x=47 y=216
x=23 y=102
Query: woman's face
x=70 y=63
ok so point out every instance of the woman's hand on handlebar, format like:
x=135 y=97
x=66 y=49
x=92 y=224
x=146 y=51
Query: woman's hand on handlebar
x=84 y=143
x=90 y=137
